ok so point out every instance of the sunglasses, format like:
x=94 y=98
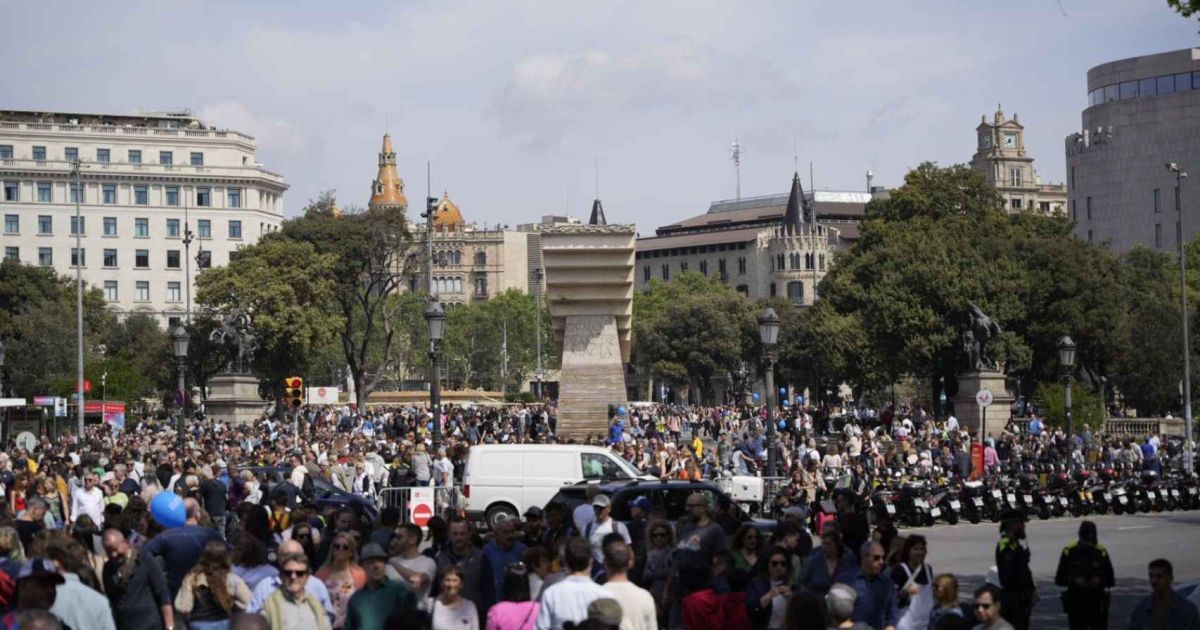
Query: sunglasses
x=342 y=547
x=295 y=574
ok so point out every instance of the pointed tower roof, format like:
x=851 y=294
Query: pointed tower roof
x=794 y=216
x=447 y=214
x=387 y=189
x=597 y=217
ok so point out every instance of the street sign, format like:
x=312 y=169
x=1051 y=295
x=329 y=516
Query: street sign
x=984 y=397
x=43 y=401
x=323 y=395
x=421 y=506
x=27 y=440
x=60 y=407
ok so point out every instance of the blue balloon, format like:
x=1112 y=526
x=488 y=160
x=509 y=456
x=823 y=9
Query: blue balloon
x=167 y=508
x=756 y=396
x=782 y=424
x=429 y=426
x=782 y=391
x=621 y=410
x=785 y=402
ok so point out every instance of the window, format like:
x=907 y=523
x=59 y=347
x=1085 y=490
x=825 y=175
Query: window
x=141 y=259
x=1072 y=177
x=601 y=466
x=71 y=154
x=110 y=258
x=135 y=156
x=772 y=289
x=481 y=286
x=204 y=228
x=741 y=266
x=1088 y=203
x=795 y=291
x=666 y=271
x=39 y=153
x=1166 y=85
x=141 y=228
x=480 y=259
x=1015 y=202
x=234 y=196
x=172 y=259
x=821 y=266
x=174 y=293
x=102 y=156
x=109 y=192
x=1148 y=87
x=78 y=257
x=646 y=273
x=203 y=197
x=235 y=229
x=1127 y=89
x=44 y=194
x=1089 y=236
x=143 y=291
x=1074 y=211
x=110 y=226
x=77 y=194
x=78 y=225
x=110 y=290
x=45 y=257
x=197 y=158
x=6 y=152
x=141 y=195
x=45 y=224
x=12 y=191
x=1158 y=236
x=703 y=267
x=12 y=253
x=172 y=195
x=165 y=157
x=12 y=224
x=1014 y=176
x=204 y=259
x=172 y=228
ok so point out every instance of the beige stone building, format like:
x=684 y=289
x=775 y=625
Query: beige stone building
x=1000 y=156
x=774 y=245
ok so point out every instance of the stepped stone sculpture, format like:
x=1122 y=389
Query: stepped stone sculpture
x=589 y=288
x=981 y=371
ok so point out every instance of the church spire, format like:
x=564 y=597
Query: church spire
x=597 y=217
x=794 y=217
x=387 y=189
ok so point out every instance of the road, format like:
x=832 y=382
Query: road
x=1132 y=541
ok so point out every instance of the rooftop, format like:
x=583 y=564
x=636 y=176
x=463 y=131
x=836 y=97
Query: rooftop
x=179 y=124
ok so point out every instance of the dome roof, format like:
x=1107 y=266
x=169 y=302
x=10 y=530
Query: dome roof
x=447 y=214
x=388 y=188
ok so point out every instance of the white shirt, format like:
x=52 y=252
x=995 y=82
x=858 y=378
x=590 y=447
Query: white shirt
x=600 y=530
x=951 y=424
x=443 y=470
x=568 y=600
x=90 y=502
x=421 y=564
x=637 y=606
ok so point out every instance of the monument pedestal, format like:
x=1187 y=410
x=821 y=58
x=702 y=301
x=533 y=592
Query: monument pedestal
x=981 y=422
x=592 y=375
x=234 y=399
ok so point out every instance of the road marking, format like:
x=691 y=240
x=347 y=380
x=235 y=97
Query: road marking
x=1122 y=529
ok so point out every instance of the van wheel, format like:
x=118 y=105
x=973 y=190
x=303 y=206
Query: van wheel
x=499 y=512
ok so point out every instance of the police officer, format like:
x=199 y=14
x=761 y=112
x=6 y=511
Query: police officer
x=1012 y=563
x=1085 y=569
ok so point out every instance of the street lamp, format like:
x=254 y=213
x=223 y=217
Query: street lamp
x=1 y=369
x=1066 y=361
x=768 y=334
x=180 y=340
x=435 y=317
x=1188 y=447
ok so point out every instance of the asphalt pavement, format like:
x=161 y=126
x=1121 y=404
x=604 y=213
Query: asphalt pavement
x=968 y=551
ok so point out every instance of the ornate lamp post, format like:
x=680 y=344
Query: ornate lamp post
x=1189 y=445
x=435 y=317
x=180 y=341
x=768 y=334
x=1066 y=361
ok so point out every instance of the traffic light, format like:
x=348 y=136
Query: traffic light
x=293 y=392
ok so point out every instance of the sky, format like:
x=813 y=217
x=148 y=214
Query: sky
x=522 y=105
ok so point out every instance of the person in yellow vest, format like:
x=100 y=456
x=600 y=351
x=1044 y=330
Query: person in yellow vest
x=1086 y=571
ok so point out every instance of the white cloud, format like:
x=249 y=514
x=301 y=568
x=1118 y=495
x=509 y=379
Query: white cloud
x=269 y=131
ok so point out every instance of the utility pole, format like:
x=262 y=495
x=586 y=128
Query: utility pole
x=538 y=274
x=75 y=170
x=1189 y=446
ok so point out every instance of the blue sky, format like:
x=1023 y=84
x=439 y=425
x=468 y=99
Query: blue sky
x=516 y=102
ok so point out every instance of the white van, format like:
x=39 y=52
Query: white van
x=503 y=480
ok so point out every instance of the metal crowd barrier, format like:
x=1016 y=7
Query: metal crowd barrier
x=448 y=501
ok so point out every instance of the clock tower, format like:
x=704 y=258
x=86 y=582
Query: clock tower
x=1000 y=157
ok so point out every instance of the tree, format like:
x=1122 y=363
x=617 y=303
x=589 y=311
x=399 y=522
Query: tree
x=370 y=250
x=1186 y=8
x=282 y=285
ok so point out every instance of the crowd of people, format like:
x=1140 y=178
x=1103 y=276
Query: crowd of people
x=81 y=545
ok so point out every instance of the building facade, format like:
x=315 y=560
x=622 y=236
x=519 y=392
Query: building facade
x=146 y=182
x=1000 y=156
x=775 y=245
x=1142 y=113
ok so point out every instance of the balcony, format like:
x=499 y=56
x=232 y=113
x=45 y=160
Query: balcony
x=141 y=169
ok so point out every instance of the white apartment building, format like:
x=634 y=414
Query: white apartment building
x=147 y=181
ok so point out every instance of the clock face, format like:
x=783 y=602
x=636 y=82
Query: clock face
x=1010 y=141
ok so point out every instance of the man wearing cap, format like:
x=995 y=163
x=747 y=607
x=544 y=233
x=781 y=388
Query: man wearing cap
x=1086 y=571
x=1019 y=594
x=369 y=606
x=533 y=531
x=603 y=526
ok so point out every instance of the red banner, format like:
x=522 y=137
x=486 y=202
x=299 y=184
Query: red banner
x=976 y=460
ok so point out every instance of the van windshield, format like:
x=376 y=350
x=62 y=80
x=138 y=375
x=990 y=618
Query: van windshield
x=607 y=466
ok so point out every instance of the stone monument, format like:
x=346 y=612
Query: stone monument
x=981 y=371
x=589 y=288
x=234 y=395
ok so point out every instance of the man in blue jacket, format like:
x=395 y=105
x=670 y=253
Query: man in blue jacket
x=876 y=601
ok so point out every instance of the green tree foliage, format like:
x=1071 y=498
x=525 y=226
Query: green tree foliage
x=492 y=344
x=370 y=250
x=1085 y=405
x=282 y=285
x=138 y=358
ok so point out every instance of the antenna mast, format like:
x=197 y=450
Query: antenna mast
x=737 y=165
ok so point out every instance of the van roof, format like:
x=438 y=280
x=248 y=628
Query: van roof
x=537 y=447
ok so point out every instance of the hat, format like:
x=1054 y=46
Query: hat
x=533 y=511
x=605 y=610
x=39 y=567
x=641 y=503
x=371 y=551
x=601 y=500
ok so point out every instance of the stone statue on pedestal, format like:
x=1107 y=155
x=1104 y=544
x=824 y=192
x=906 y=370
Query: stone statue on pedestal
x=238 y=342
x=978 y=331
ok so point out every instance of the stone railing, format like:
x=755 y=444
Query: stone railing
x=128 y=131
x=1128 y=426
